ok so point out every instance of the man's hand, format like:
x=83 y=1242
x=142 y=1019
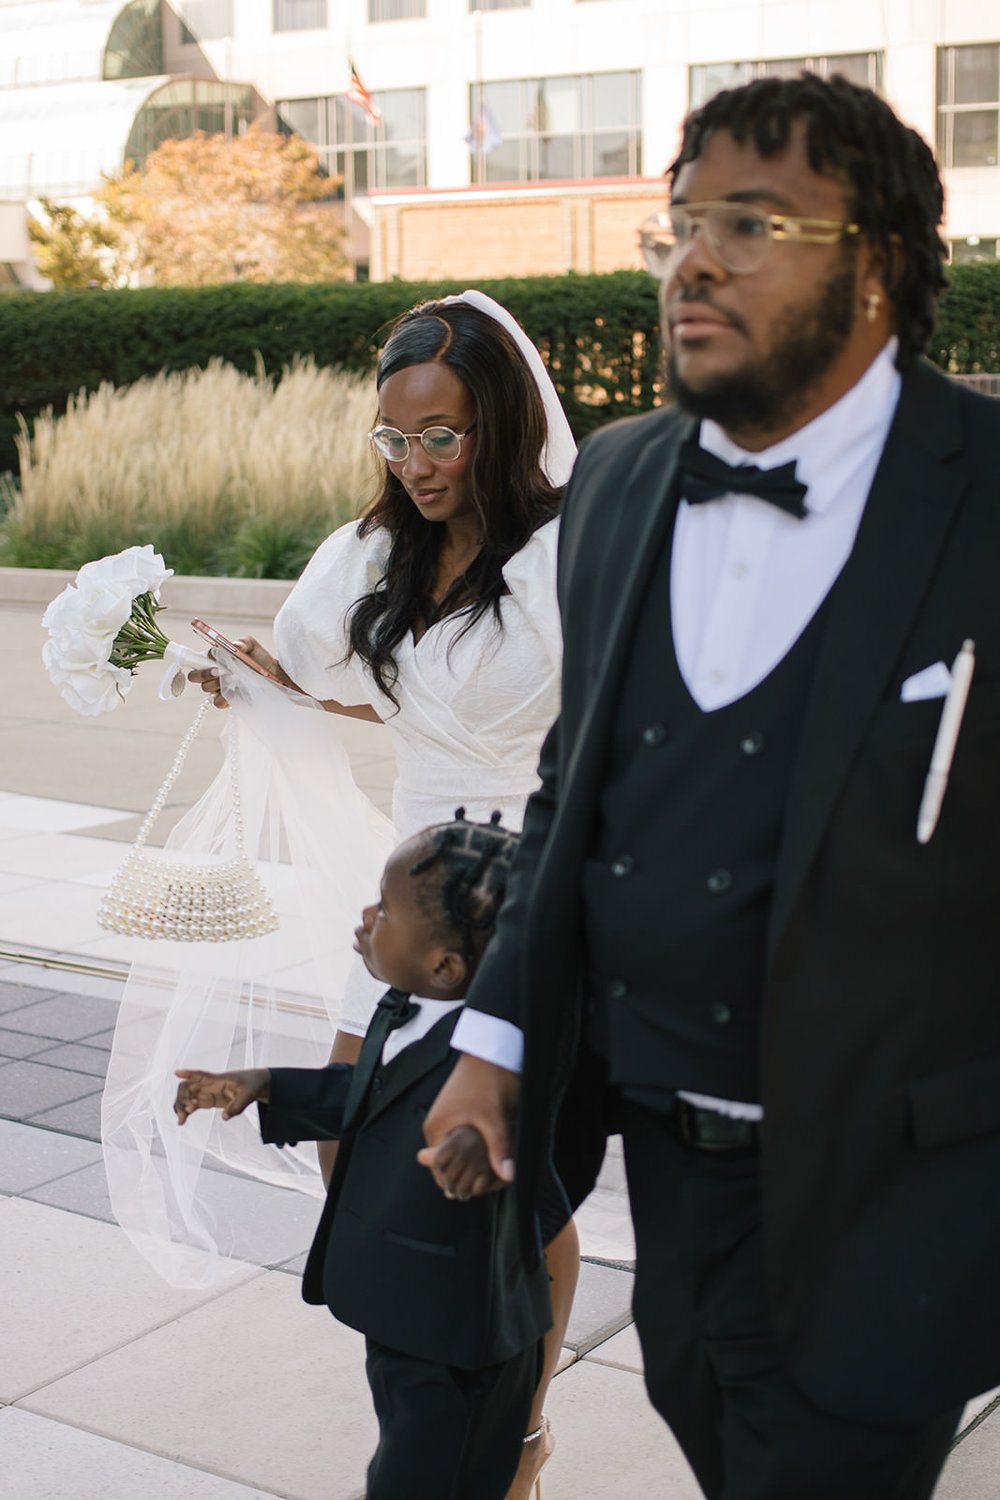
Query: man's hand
x=482 y=1096
x=230 y=1092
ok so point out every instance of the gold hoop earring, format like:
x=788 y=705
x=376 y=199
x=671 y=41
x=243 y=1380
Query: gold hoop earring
x=872 y=304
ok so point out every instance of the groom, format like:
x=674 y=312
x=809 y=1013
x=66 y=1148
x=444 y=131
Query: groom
x=720 y=893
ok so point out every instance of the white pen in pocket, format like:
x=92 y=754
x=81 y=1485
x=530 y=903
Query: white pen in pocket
x=944 y=745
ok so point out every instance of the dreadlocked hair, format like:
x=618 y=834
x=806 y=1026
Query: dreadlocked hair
x=469 y=864
x=897 y=196
x=508 y=488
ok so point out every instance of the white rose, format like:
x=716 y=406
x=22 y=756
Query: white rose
x=89 y=687
x=138 y=569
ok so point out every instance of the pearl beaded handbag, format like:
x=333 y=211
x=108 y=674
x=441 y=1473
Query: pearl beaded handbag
x=158 y=894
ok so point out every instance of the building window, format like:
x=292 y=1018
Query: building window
x=397 y=10
x=475 y=5
x=366 y=157
x=972 y=248
x=707 y=79
x=299 y=15
x=535 y=129
x=205 y=20
x=968 y=102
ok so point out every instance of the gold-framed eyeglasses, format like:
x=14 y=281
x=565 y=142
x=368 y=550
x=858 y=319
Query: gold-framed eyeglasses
x=739 y=235
x=439 y=443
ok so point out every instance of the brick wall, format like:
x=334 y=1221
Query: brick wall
x=520 y=234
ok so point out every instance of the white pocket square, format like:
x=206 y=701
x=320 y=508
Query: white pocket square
x=932 y=682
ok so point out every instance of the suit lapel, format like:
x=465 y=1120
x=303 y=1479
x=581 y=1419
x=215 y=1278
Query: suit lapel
x=370 y=1055
x=872 y=608
x=631 y=548
x=414 y=1061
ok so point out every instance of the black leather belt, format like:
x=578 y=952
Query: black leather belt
x=708 y=1130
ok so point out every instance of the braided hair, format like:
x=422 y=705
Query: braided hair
x=469 y=864
x=894 y=184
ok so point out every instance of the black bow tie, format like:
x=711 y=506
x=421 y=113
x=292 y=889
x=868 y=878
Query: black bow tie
x=397 y=1009
x=705 y=477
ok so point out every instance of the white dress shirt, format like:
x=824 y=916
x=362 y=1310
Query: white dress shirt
x=745 y=580
x=428 y=1014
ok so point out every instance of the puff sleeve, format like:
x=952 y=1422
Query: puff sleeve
x=310 y=629
x=531 y=577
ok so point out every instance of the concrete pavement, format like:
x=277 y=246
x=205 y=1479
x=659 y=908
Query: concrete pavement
x=111 y=1382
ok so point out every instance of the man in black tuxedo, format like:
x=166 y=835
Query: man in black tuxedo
x=720 y=896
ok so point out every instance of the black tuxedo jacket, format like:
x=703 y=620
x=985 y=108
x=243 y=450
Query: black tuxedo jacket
x=881 y=1020
x=392 y=1257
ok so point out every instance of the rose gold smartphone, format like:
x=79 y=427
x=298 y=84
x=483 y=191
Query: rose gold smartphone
x=225 y=644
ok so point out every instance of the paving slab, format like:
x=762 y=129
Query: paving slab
x=18 y=1044
x=610 y=1443
x=602 y=1305
x=28 y=1088
x=48 y=1461
x=78 y=1057
x=622 y=1351
x=973 y=1470
x=255 y=1386
x=75 y=1289
x=22 y=991
x=30 y=1158
x=64 y=1018
x=79 y=1117
x=82 y=1192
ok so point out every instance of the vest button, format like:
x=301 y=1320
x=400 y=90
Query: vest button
x=617 y=989
x=654 y=734
x=721 y=1013
x=752 y=743
x=719 y=881
x=623 y=865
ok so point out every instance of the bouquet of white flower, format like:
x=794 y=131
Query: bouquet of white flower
x=103 y=625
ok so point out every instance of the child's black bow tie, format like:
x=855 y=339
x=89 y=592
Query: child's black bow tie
x=705 y=477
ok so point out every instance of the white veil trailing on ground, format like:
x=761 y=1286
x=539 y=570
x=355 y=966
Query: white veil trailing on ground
x=320 y=846
x=189 y=1199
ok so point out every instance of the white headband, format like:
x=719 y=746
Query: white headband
x=559 y=453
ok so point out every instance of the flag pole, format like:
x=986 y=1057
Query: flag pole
x=479 y=118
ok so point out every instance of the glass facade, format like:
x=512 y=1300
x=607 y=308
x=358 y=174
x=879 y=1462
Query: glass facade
x=706 y=79
x=298 y=15
x=392 y=154
x=537 y=129
x=968 y=105
x=179 y=109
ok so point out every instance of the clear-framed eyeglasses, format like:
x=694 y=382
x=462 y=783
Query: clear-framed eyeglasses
x=739 y=235
x=439 y=443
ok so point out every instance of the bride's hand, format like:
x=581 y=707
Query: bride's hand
x=208 y=679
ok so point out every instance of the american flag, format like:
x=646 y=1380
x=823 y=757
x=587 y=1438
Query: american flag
x=358 y=94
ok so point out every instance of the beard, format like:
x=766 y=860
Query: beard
x=769 y=391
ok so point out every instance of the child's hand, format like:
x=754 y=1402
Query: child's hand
x=461 y=1164
x=230 y=1092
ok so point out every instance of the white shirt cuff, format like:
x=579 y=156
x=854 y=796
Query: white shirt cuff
x=490 y=1038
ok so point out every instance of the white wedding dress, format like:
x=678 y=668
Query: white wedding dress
x=474 y=706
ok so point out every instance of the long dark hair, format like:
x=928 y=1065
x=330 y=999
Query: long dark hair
x=510 y=493
x=890 y=169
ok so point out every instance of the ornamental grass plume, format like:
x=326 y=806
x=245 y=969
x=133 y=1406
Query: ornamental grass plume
x=223 y=472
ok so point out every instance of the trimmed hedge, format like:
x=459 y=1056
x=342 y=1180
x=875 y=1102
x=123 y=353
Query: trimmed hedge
x=599 y=335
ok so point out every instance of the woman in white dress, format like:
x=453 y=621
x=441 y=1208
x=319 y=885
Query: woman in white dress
x=436 y=615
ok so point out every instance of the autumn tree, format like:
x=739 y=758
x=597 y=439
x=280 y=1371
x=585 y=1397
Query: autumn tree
x=206 y=209
x=75 y=250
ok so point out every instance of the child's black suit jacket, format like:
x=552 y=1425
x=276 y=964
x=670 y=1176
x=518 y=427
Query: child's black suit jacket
x=392 y=1256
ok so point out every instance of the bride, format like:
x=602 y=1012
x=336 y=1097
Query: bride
x=435 y=614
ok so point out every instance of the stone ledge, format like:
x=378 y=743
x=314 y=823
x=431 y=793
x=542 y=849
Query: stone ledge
x=222 y=598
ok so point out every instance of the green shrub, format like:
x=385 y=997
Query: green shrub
x=597 y=333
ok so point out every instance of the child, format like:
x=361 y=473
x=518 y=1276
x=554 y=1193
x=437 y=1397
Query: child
x=452 y=1318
